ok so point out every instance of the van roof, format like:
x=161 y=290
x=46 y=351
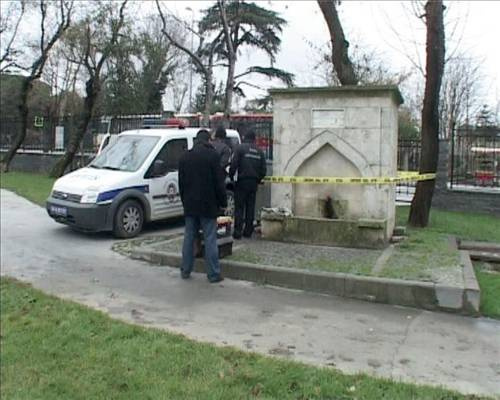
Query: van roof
x=174 y=131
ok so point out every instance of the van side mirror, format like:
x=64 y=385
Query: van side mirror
x=159 y=168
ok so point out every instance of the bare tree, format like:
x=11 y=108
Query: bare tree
x=10 y=20
x=369 y=66
x=46 y=42
x=179 y=86
x=61 y=75
x=202 y=58
x=435 y=50
x=231 y=58
x=460 y=97
x=95 y=41
x=340 y=45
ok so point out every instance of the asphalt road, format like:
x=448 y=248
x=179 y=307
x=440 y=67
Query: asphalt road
x=405 y=344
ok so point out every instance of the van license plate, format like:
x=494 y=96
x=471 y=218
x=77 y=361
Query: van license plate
x=61 y=211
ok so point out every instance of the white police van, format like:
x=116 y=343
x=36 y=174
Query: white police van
x=132 y=181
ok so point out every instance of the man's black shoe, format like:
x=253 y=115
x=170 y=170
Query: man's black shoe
x=216 y=279
x=185 y=276
x=236 y=236
x=247 y=235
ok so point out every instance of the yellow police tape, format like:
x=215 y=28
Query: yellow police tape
x=403 y=176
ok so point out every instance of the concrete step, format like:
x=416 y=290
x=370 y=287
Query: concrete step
x=484 y=256
x=479 y=246
x=397 y=239
x=399 y=231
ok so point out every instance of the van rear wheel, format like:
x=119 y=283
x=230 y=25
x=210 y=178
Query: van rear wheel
x=128 y=219
x=229 y=210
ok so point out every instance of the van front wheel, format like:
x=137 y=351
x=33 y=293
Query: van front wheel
x=128 y=219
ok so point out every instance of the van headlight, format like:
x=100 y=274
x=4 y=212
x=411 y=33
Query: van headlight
x=90 y=196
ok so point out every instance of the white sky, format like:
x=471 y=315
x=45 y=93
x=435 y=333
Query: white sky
x=387 y=27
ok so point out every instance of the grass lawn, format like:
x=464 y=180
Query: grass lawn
x=55 y=349
x=490 y=291
x=34 y=187
x=467 y=226
x=425 y=255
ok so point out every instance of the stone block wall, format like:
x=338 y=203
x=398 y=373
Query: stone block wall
x=40 y=162
x=336 y=131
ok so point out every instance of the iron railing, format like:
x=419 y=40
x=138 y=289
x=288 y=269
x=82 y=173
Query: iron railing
x=408 y=160
x=475 y=159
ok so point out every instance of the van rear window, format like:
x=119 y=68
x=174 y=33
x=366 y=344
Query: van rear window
x=126 y=154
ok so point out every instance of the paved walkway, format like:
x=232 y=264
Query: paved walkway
x=405 y=344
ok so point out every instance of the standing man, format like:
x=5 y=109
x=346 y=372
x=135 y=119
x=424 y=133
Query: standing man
x=222 y=149
x=249 y=163
x=202 y=191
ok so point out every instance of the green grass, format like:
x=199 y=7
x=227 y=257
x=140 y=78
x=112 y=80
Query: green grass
x=55 y=349
x=424 y=255
x=34 y=187
x=245 y=256
x=467 y=226
x=356 y=266
x=490 y=291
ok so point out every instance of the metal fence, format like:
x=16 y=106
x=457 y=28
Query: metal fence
x=474 y=154
x=408 y=160
x=263 y=129
x=475 y=159
x=261 y=124
x=48 y=134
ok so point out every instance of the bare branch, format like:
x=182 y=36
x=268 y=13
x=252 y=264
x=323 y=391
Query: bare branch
x=38 y=65
x=340 y=57
x=43 y=10
x=193 y=56
x=8 y=49
x=184 y=23
x=413 y=59
x=227 y=35
x=115 y=30
x=250 y=84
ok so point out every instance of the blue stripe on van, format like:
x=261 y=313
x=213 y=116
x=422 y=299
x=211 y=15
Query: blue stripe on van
x=111 y=194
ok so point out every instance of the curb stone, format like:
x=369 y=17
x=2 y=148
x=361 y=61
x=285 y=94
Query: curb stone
x=425 y=295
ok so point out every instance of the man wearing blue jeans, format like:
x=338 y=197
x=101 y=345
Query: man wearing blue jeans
x=203 y=194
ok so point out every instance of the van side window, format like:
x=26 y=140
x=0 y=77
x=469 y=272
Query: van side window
x=232 y=142
x=175 y=150
x=171 y=153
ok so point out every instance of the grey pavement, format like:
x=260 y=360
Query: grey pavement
x=405 y=344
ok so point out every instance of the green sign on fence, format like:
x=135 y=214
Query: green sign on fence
x=38 y=122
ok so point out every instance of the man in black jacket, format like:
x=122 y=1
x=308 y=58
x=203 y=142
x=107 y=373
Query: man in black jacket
x=249 y=163
x=222 y=149
x=202 y=191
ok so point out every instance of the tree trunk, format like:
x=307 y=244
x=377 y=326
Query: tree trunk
x=92 y=90
x=340 y=57
x=229 y=92
x=209 y=97
x=23 y=112
x=435 y=48
x=231 y=53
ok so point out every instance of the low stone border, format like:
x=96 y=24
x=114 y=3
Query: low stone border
x=481 y=251
x=426 y=295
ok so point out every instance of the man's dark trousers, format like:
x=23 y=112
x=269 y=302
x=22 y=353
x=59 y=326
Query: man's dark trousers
x=244 y=199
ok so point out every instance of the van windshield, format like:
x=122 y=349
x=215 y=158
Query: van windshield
x=126 y=154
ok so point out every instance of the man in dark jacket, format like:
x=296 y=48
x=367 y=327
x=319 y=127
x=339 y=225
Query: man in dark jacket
x=202 y=191
x=222 y=148
x=249 y=163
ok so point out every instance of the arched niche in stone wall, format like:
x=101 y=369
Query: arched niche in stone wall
x=327 y=154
